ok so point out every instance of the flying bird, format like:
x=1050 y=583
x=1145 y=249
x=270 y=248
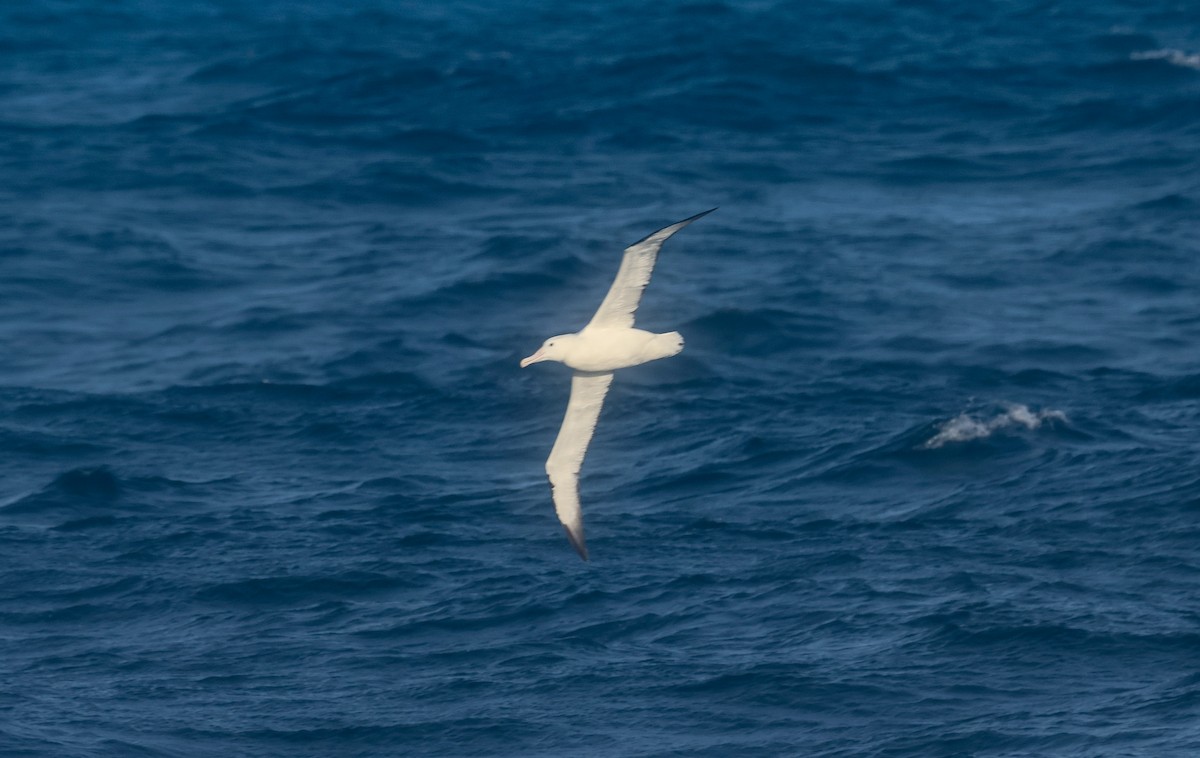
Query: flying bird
x=607 y=343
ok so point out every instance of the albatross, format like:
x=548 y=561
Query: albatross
x=607 y=343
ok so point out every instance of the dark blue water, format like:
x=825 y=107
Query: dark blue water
x=925 y=481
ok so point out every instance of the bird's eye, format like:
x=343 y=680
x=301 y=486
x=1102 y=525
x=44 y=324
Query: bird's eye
x=551 y=344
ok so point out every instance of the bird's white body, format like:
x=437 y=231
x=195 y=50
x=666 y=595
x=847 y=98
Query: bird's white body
x=603 y=349
x=609 y=342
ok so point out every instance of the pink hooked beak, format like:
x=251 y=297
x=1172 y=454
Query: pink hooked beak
x=533 y=358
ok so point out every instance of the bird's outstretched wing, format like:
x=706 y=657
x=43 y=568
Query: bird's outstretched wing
x=636 y=266
x=587 y=397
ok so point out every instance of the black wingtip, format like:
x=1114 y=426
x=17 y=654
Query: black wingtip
x=676 y=226
x=690 y=219
x=576 y=541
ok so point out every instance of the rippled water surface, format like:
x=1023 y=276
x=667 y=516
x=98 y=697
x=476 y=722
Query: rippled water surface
x=925 y=481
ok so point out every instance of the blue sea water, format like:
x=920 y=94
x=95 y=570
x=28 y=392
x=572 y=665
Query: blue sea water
x=924 y=482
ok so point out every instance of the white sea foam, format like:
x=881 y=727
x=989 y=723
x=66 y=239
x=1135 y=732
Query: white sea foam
x=1174 y=57
x=964 y=427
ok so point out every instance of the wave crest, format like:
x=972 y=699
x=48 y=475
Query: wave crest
x=1172 y=56
x=964 y=427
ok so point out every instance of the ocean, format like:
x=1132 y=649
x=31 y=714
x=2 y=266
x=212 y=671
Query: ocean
x=925 y=480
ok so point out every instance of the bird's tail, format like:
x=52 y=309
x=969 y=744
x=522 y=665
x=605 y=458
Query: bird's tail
x=671 y=343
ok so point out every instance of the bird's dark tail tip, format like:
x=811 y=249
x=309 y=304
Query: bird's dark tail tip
x=576 y=540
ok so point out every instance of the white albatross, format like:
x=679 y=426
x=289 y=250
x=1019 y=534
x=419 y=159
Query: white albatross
x=607 y=343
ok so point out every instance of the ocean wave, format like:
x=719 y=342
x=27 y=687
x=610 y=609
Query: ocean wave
x=41 y=444
x=262 y=390
x=1170 y=202
x=1120 y=113
x=965 y=427
x=1039 y=637
x=937 y=168
x=100 y=492
x=1150 y=284
x=387 y=182
x=1185 y=387
x=1121 y=249
x=494 y=287
x=88 y=493
x=1172 y=56
x=306 y=588
x=759 y=331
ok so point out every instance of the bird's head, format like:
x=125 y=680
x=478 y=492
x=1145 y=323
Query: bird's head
x=553 y=349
